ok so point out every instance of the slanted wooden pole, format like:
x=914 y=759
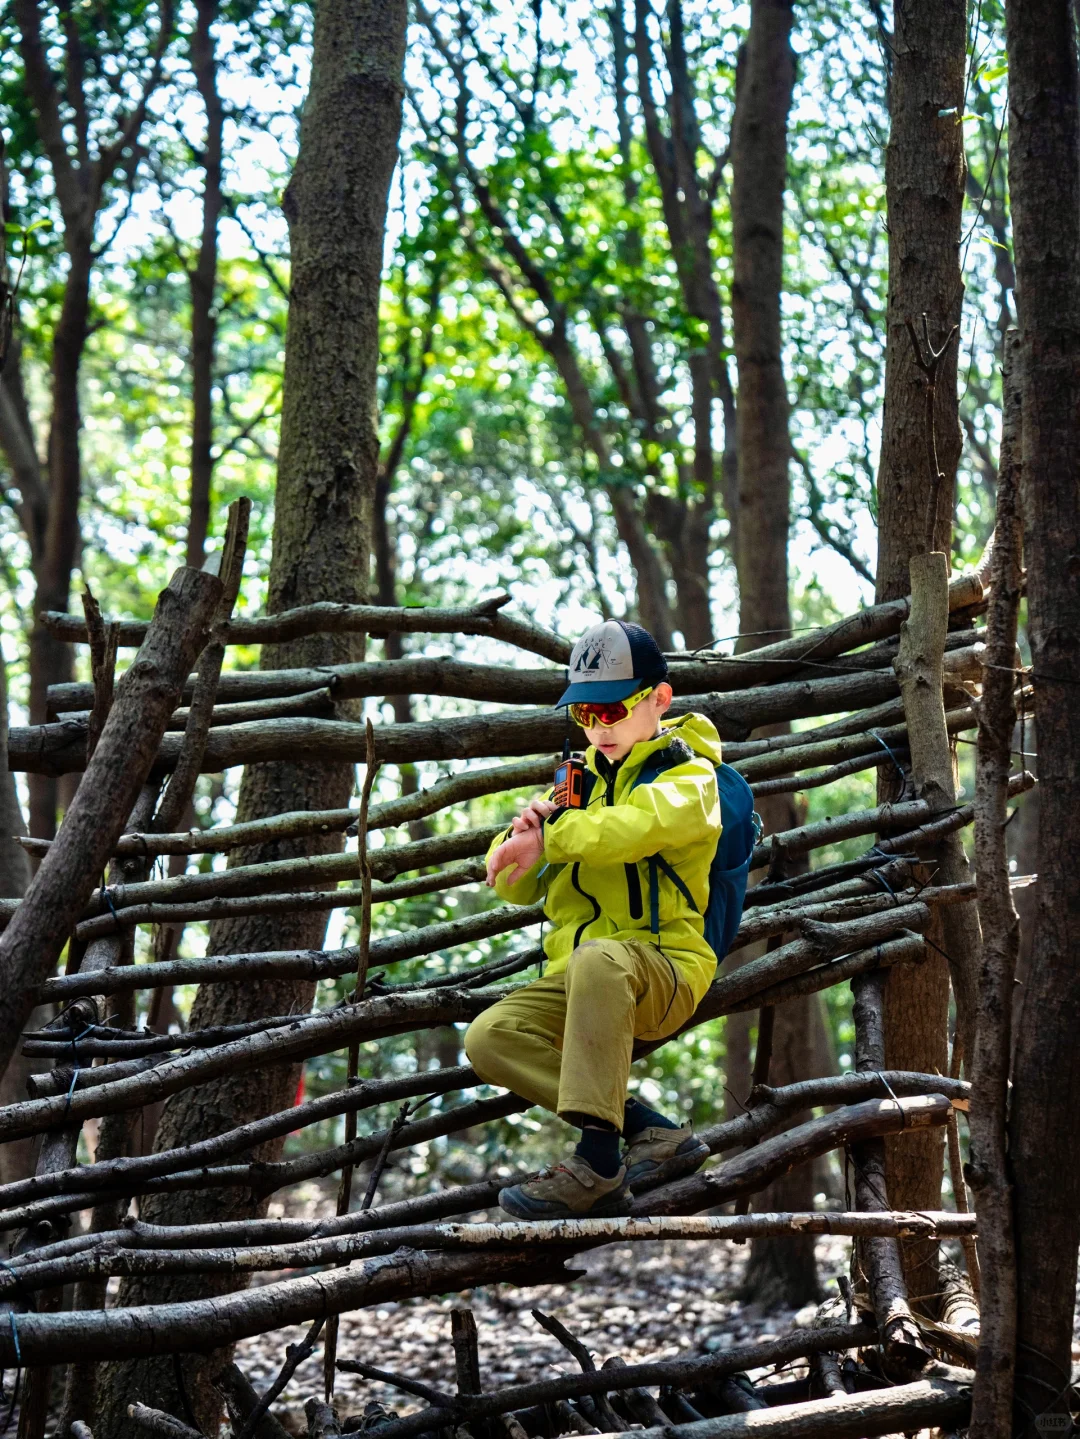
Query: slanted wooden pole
x=145 y=697
x=989 y=1170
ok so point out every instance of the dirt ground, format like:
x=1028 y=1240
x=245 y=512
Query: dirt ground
x=643 y=1301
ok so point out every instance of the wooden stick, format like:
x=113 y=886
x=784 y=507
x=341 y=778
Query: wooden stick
x=959 y=1184
x=230 y=567
x=242 y=1400
x=264 y=694
x=103 y=643
x=771 y=1110
x=454 y=789
x=706 y=1370
x=110 y=1174
x=927 y=1403
x=145 y=696
x=819 y=942
x=296 y=964
x=919 y=667
x=60 y=748
x=329 y=618
x=249 y=879
x=989 y=1170
x=344 y=1197
x=884 y=1265
x=289 y=902
x=295 y=1354
x=156 y=1421
x=864 y=627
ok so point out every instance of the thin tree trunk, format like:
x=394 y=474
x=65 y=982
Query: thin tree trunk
x=202 y=280
x=766 y=79
x=924 y=186
x=924 y=178
x=336 y=208
x=17 y=1159
x=1044 y=175
x=990 y=1170
x=50 y=659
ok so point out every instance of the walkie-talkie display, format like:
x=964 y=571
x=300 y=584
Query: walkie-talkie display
x=570 y=780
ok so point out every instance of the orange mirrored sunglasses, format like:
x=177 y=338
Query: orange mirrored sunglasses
x=608 y=714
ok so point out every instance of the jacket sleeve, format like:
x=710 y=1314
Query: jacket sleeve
x=530 y=886
x=680 y=808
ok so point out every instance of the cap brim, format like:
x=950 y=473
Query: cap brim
x=601 y=691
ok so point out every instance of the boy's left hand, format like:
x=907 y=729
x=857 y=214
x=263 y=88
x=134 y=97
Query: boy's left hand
x=518 y=854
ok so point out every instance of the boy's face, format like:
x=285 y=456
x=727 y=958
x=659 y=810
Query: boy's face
x=615 y=742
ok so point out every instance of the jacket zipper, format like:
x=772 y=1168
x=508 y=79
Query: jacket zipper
x=633 y=878
x=633 y=890
x=585 y=895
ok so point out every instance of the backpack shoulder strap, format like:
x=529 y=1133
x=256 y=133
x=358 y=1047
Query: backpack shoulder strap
x=676 y=753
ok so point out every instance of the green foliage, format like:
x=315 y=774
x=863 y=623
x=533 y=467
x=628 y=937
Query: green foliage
x=491 y=482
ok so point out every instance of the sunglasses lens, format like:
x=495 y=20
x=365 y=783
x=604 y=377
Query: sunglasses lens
x=605 y=714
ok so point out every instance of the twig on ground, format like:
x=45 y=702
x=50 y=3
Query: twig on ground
x=295 y=1355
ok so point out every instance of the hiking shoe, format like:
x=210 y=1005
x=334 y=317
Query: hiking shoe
x=657 y=1154
x=571 y=1190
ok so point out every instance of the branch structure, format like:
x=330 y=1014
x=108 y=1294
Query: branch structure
x=849 y=921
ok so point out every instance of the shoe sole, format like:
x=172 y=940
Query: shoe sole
x=687 y=1159
x=520 y=1206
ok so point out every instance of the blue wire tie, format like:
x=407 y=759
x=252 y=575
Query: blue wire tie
x=15 y=1336
x=899 y=767
x=75 y=1058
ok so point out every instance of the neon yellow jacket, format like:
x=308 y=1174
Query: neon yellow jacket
x=593 y=874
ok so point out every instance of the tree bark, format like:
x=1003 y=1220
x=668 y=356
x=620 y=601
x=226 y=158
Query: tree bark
x=765 y=82
x=924 y=187
x=990 y=1170
x=924 y=181
x=16 y=1160
x=1044 y=175
x=201 y=281
x=79 y=178
x=335 y=205
x=766 y=78
x=145 y=698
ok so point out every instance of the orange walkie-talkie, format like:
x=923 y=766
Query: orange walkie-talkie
x=570 y=780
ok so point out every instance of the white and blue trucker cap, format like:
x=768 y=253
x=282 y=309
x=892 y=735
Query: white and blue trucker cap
x=612 y=661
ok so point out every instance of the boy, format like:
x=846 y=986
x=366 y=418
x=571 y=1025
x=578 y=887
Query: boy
x=620 y=968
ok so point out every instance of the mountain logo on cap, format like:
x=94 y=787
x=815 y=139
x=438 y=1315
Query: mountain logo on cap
x=598 y=653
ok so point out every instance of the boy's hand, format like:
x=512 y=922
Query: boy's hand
x=533 y=815
x=518 y=854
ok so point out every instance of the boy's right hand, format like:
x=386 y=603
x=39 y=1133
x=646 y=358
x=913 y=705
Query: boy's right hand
x=533 y=815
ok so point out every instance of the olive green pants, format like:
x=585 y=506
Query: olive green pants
x=566 y=1041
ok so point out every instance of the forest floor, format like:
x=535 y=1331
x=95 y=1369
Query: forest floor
x=645 y=1301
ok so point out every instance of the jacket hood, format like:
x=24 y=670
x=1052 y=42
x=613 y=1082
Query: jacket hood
x=696 y=730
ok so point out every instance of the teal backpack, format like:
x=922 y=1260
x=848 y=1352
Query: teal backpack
x=730 y=868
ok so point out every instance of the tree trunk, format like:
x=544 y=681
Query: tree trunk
x=924 y=186
x=336 y=208
x=202 y=280
x=924 y=179
x=50 y=659
x=766 y=79
x=1044 y=176
x=17 y=1159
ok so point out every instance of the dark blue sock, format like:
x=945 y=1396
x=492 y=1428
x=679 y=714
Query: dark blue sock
x=639 y=1116
x=599 y=1147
